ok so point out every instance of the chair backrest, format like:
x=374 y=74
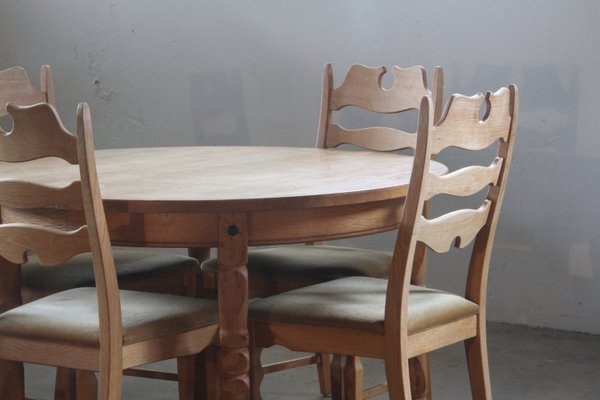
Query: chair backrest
x=39 y=133
x=15 y=87
x=459 y=127
x=362 y=88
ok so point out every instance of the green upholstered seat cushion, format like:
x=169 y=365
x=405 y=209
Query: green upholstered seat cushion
x=131 y=264
x=358 y=303
x=315 y=263
x=72 y=316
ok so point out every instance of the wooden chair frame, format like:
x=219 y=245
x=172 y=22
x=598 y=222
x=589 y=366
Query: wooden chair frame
x=458 y=127
x=16 y=87
x=54 y=245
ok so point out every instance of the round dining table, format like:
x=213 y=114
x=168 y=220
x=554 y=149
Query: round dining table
x=230 y=198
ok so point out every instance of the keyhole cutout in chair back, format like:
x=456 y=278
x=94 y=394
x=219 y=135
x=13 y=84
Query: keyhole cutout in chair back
x=387 y=80
x=484 y=110
x=6 y=124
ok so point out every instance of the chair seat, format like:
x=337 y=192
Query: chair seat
x=71 y=317
x=358 y=303
x=314 y=263
x=131 y=265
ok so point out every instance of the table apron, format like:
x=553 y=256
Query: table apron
x=264 y=227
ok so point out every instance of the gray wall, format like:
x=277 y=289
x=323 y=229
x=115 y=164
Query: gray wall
x=235 y=72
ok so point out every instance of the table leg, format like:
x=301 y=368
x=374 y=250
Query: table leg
x=233 y=306
x=420 y=382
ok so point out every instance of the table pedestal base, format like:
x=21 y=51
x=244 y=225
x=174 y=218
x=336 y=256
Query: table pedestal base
x=234 y=358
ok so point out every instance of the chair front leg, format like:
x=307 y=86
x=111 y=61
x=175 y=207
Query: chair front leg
x=337 y=377
x=186 y=376
x=87 y=385
x=65 y=384
x=398 y=376
x=353 y=378
x=324 y=373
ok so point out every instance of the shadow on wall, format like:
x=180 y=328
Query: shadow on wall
x=543 y=270
x=218 y=108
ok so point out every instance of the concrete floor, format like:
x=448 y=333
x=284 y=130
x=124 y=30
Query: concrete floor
x=525 y=363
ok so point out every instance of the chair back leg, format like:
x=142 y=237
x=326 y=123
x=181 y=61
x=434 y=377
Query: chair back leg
x=110 y=385
x=71 y=384
x=477 y=361
x=398 y=377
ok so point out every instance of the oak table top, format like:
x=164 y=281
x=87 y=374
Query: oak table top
x=164 y=179
x=233 y=197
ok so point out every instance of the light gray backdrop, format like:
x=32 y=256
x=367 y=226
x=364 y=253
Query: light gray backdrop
x=166 y=73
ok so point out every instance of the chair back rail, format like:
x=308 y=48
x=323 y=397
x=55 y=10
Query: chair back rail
x=463 y=182
x=460 y=227
x=460 y=125
x=16 y=87
x=378 y=139
x=27 y=195
x=52 y=247
x=362 y=88
x=37 y=134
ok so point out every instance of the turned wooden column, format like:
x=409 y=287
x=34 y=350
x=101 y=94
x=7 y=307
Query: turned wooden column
x=233 y=306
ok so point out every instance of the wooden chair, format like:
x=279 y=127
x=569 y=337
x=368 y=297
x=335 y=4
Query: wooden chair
x=392 y=319
x=279 y=269
x=136 y=269
x=99 y=328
